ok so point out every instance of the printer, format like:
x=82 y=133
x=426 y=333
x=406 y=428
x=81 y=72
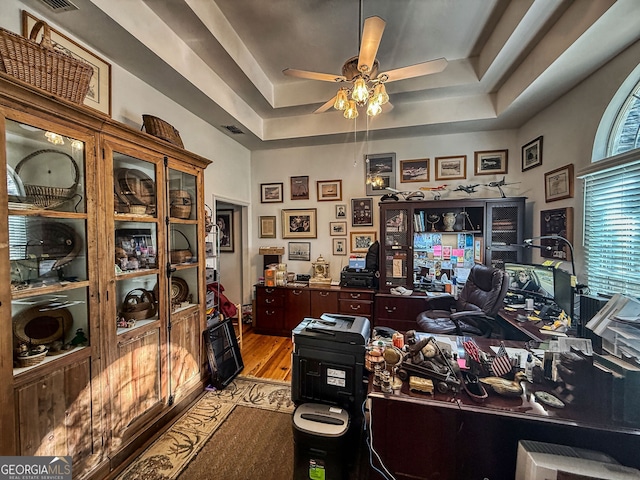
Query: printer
x=328 y=361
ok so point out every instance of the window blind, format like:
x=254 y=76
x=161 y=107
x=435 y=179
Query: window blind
x=612 y=229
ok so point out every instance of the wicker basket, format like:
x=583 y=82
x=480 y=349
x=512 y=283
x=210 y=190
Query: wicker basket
x=180 y=204
x=159 y=128
x=47 y=196
x=138 y=305
x=40 y=65
x=31 y=359
x=181 y=255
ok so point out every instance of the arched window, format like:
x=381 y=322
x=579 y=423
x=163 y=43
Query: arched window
x=612 y=205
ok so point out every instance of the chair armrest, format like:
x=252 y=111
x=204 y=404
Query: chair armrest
x=442 y=302
x=467 y=314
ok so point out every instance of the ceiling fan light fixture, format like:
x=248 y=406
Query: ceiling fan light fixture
x=380 y=94
x=342 y=101
x=360 y=90
x=352 y=111
x=374 y=108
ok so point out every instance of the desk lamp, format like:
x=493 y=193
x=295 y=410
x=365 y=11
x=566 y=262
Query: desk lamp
x=528 y=243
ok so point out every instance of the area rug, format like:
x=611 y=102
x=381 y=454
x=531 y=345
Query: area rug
x=170 y=454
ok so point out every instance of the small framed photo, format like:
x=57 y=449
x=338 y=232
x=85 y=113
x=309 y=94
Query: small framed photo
x=300 y=251
x=558 y=183
x=532 y=154
x=271 y=192
x=380 y=172
x=337 y=228
x=414 y=170
x=339 y=246
x=329 y=190
x=361 y=241
x=489 y=162
x=362 y=212
x=341 y=211
x=451 y=168
x=477 y=250
x=300 y=188
x=268 y=227
x=224 y=221
x=299 y=223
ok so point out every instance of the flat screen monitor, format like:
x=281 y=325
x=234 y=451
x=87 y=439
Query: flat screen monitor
x=563 y=291
x=534 y=280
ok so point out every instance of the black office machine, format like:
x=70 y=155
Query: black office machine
x=328 y=361
x=358 y=278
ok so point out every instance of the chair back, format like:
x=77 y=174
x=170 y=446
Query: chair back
x=485 y=290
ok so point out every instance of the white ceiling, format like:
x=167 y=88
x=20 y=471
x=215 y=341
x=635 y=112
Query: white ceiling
x=223 y=59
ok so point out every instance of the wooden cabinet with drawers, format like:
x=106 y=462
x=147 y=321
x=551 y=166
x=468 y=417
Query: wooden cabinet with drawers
x=280 y=309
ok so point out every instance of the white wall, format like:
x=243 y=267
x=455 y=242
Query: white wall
x=569 y=128
x=346 y=162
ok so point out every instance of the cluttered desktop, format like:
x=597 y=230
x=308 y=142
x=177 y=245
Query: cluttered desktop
x=540 y=297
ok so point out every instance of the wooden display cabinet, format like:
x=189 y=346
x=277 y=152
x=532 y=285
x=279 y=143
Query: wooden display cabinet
x=88 y=274
x=429 y=238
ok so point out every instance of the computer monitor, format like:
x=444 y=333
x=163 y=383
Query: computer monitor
x=531 y=280
x=563 y=291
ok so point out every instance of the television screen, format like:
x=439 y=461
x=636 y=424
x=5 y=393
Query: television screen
x=535 y=280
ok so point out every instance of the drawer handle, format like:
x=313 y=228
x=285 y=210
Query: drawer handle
x=269 y=290
x=269 y=300
x=270 y=312
x=324 y=294
x=355 y=307
x=390 y=309
x=355 y=295
x=296 y=292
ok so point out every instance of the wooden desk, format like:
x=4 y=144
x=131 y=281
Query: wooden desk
x=442 y=436
x=515 y=330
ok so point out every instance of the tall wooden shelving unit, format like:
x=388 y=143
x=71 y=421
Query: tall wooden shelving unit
x=81 y=265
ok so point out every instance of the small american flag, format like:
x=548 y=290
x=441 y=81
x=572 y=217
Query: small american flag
x=472 y=350
x=501 y=363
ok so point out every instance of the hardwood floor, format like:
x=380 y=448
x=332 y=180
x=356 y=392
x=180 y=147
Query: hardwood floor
x=266 y=356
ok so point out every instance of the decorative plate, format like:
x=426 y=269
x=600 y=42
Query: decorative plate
x=549 y=399
x=179 y=290
x=40 y=325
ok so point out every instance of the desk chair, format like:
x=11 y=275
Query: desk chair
x=474 y=312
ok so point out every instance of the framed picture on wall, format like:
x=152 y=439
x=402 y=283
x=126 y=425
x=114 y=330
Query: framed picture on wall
x=380 y=172
x=451 y=168
x=224 y=220
x=558 y=183
x=300 y=251
x=337 y=228
x=329 y=190
x=339 y=246
x=414 y=170
x=532 y=154
x=299 y=223
x=300 y=188
x=99 y=94
x=361 y=241
x=268 y=226
x=362 y=212
x=341 y=212
x=271 y=192
x=489 y=162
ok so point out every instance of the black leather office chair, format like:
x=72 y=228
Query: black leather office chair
x=474 y=312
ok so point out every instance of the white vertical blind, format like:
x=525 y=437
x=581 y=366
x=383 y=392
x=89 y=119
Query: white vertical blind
x=612 y=228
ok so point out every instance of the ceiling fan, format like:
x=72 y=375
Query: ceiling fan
x=365 y=84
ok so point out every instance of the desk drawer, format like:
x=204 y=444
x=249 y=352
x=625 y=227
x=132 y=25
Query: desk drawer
x=355 y=307
x=357 y=295
x=270 y=297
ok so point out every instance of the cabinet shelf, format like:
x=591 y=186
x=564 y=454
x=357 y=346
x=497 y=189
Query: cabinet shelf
x=136 y=329
x=32 y=290
x=26 y=212
x=21 y=371
x=141 y=272
x=130 y=217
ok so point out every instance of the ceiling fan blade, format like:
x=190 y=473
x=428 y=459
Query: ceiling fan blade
x=325 y=77
x=371 y=36
x=417 y=70
x=326 y=106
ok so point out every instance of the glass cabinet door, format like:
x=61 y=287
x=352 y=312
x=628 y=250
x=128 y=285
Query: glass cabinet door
x=48 y=244
x=135 y=231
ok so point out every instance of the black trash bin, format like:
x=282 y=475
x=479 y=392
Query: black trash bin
x=321 y=442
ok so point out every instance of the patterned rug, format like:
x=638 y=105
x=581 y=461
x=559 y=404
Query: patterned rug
x=172 y=452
